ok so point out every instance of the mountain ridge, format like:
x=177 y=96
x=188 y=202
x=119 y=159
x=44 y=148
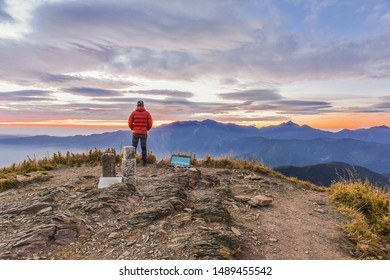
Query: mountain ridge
x=274 y=145
x=304 y=152
x=262 y=131
x=325 y=174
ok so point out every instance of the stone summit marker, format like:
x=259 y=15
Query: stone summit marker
x=109 y=177
x=129 y=165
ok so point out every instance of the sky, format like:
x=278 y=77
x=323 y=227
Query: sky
x=70 y=67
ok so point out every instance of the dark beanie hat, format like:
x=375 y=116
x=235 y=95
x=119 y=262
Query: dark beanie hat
x=140 y=103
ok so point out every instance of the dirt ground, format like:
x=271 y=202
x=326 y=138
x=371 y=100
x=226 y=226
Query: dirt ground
x=171 y=213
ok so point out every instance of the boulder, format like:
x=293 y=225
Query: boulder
x=260 y=200
x=253 y=177
x=242 y=198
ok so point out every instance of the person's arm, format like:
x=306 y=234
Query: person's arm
x=150 y=121
x=131 y=121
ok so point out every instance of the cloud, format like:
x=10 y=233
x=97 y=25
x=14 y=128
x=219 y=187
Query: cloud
x=386 y=18
x=24 y=111
x=262 y=100
x=315 y=8
x=175 y=26
x=380 y=104
x=106 y=104
x=387 y=97
x=240 y=118
x=172 y=108
x=302 y=107
x=252 y=95
x=185 y=41
x=110 y=82
x=290 y=107
x=165 y=92
x=57 y=78
x=4 y=15
x=92 y=92
x=40 y=58
x=290 y=58
x=385 y=106
x=154 y=63
x=26 y=96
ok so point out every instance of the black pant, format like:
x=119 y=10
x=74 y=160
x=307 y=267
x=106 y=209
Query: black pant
x=142 y=138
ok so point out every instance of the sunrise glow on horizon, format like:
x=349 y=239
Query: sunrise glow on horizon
x=82 y=66
x=73 y=127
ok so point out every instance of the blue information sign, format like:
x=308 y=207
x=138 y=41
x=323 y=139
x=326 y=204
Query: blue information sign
x=180 y=160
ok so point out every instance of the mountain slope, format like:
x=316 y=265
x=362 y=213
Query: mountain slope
x=327 y=173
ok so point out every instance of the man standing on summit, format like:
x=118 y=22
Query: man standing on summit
x=140 y=121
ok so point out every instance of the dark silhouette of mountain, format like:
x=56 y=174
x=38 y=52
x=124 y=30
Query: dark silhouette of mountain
x=285 y=144
x=327 y=173
x=100 y=141
x=272 y=152
x=205 y=137
x=380 y=134
x=291 y=130
x=8 y=136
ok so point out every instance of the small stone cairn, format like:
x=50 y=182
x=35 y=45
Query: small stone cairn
x=128 y=165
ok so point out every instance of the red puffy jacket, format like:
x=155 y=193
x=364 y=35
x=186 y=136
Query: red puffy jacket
x=140 y=121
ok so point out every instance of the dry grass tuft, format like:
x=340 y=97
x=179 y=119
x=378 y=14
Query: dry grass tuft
x=369 y=210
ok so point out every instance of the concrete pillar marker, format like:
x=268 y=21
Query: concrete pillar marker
x=129 y=165
x=109 y=177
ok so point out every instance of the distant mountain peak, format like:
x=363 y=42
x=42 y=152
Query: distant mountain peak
x=208 y=121
x=289 y=124
x=381 y=127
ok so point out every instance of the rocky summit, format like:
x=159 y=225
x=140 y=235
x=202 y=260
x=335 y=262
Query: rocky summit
x=170 y=213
